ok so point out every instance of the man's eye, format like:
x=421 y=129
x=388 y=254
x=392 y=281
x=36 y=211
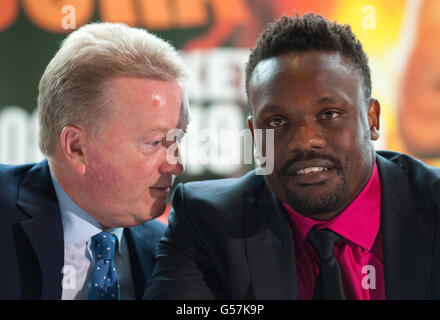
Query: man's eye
x=276 y=122
x=154 y=143
x=328 y=115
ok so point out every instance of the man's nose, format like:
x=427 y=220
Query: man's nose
x=178 y=169
x=307 y=137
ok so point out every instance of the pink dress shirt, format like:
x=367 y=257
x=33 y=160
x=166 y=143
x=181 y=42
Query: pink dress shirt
x=359 y=252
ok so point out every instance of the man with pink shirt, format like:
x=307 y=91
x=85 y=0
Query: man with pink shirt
x=336 y=219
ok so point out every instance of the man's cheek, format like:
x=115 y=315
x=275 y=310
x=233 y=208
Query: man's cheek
x=109 y=178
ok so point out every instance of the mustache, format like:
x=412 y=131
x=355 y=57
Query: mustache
x=305 y=156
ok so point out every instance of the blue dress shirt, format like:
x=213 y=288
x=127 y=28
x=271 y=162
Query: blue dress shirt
x=79 y=227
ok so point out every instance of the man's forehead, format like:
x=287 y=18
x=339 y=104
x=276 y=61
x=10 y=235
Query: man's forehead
x=329 y=71
x=184 y=110
x=159 y=104
x=306 y=61
x=266 y=70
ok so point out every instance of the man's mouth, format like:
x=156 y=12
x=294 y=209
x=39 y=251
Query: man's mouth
x=311 y=170
x=313 y=176
x=163 y=190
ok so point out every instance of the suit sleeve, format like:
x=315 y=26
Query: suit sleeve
x=182 y=269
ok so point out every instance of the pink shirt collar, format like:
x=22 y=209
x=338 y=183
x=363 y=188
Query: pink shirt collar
x=358 y=223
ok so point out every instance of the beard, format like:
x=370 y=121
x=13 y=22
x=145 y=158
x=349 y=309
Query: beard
x=334 y=198
x=321 y=203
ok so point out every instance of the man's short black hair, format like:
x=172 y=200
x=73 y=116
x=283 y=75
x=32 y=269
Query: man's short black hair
x=309 y=32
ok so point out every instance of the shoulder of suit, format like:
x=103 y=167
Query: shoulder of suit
x=415 y=167
x=151 y=229
x=10 y=177
x=218 y=203
x=148 y=234
x=424 y=179
x=13 y=173
x=218 y=207
x=154 y=227
x=222 y=190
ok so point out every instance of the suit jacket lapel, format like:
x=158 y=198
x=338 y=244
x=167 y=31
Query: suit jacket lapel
x=141 y=258
x=407 y=236
x=270 y=249
x=44 y=229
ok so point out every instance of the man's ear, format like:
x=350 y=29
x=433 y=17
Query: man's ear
x=73 y=141
x=374 y=118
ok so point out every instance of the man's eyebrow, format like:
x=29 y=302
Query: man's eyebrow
x=150 y=131
x=330 y=100
x=326 y=100
x=271 y=108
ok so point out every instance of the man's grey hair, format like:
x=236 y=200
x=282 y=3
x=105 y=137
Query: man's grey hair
x=71 y=88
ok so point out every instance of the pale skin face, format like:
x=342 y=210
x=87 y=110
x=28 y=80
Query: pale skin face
x=323 y=127
x=122 y=178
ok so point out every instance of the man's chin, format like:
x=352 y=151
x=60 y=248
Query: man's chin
x=324 y=216
x=142 y=216
x=157 y=210
x=309 y=211
x=316 y=206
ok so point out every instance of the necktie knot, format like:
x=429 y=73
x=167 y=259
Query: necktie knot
x=104 y=246
x=323 y=241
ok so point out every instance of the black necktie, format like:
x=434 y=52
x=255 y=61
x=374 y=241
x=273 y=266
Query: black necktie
x=328 y=284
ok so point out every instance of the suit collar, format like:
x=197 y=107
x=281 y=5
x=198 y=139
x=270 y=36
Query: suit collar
x=141 y=251
x=36 y=197
x=270 y=248
x=407 y=236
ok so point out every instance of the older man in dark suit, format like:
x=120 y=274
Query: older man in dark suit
x=79 y=225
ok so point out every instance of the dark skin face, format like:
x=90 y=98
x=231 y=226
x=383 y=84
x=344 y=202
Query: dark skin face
x=323 y=129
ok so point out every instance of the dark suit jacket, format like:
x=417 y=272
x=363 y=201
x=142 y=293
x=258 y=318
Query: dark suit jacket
x=231 y=238
x=32 y=242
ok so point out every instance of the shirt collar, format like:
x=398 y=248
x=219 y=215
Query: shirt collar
x=78 y=225
x=358 y=223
